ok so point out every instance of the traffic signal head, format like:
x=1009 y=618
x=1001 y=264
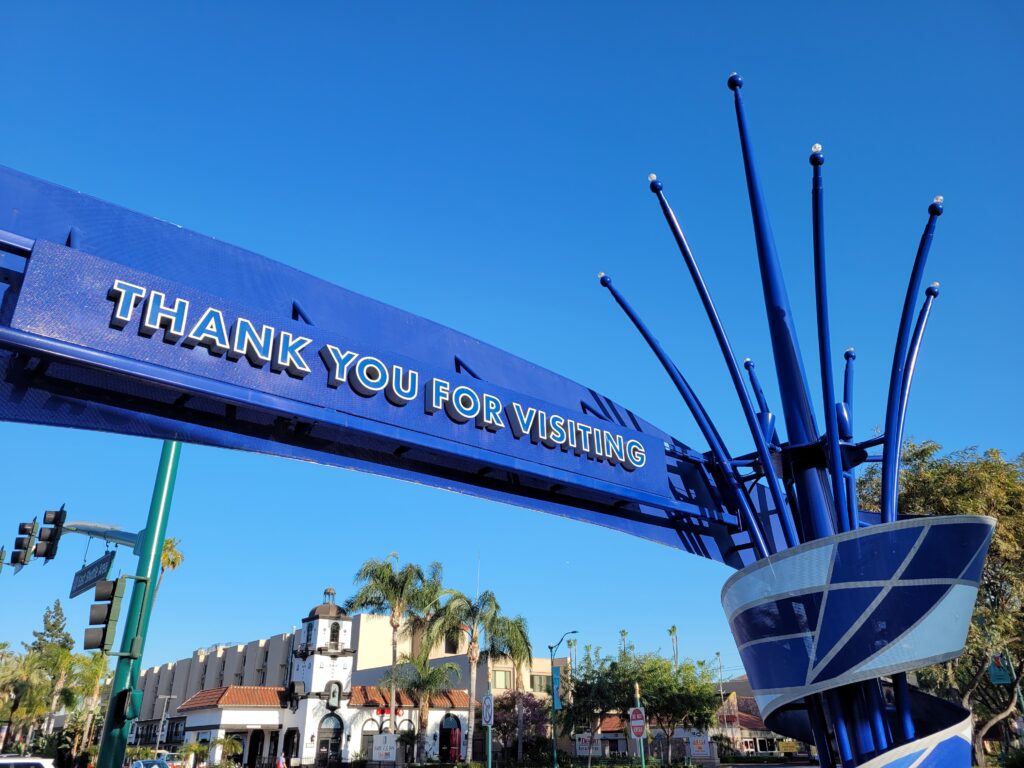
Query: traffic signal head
x=49 y=537
x=103 y=615
x=24 y=544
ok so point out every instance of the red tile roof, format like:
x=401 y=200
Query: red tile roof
x=375 y=696
x=235 y=696
x=612 y=723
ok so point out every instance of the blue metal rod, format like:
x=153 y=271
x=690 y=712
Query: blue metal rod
x=930 y=294
x=718 y=449
x=760 y=443
x=838 y=718
x=816 y=714
x=828 y=393
x=789 y=368
x=767 y=418
x=901 y=689
x=891 y=452
x=850 y=355
x=878 y=725
x=755 y=384
x=853 y=510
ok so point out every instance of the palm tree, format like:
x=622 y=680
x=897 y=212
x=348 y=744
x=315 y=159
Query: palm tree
x=60 y=664
x=171 y=559
x=673 y=633
x=421 y=681
x=25 y=686
x=90 y=672
x=385 y=591
x=520 y=653
x=195 y=750
x=422 y=609
x=486 y=630
x=229 y=747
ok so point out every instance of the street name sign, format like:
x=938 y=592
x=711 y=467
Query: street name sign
x=90 y=575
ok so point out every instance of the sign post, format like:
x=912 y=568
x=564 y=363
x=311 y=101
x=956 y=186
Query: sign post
x=126 y=674
x=638 y=724
x=487 y=717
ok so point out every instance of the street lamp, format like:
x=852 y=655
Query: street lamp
x=554 y=693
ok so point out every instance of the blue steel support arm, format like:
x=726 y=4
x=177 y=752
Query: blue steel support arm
x=828 y=394
x=851 y=477
x=796 y=401
x=891 y=449
x=771 y=477
x=767 y=417
x=700 y=416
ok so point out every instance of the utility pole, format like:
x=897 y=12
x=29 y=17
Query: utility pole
x=123 y=704
x=163 y=719
x=554 y=699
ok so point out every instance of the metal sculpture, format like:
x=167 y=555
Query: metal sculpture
x=115 y=321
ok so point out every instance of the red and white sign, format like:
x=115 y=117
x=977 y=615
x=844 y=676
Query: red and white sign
x=637 y=721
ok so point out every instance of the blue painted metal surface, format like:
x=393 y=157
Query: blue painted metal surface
x=111 y=320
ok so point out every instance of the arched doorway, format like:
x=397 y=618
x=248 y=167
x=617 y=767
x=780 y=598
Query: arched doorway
x=449 y=739
x=370 y=729
x=255 y=749
x=328 y=742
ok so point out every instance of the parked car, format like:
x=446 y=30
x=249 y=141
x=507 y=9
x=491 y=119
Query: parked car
x=25 y=761
x=173 y=759
x=154 y=763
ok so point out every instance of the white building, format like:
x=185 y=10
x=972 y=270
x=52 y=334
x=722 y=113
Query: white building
x=312 y=694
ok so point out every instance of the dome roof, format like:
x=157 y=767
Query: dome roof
x=328 y=609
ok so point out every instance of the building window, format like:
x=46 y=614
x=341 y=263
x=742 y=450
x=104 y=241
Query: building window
x=335 y=635
x=451 y=644
x=309 y=635
x=541 y=683
x=502 y=678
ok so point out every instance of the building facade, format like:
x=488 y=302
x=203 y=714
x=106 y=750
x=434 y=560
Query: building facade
x=312 y=694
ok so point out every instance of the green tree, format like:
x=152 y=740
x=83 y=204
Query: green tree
x=24 y=692
x=673 y=695
x=90 y=674
x=54 y=631
x=228 y=748
x=194 y=751
x=394 y=592
x=594 y=692
x=971 y=483
x=417 y=677
x=487 y=631
x=171 y=559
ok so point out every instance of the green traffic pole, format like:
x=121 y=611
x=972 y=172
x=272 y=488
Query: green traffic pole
x=639 y=741
x=554 y=693
x=489 y=736
x=126 y=674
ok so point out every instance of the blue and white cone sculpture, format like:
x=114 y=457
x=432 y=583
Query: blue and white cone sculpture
x=839 y=604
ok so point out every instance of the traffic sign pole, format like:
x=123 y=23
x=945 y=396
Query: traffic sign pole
x=639 y=740
x=126 y=674
x=489 y=711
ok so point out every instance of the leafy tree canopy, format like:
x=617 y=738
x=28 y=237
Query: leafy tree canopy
x=54 y=632
x=969 y=482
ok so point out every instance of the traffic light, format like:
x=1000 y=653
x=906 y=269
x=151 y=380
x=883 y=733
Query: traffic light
x=49 y=537
x=25 y=543
x=103 y=615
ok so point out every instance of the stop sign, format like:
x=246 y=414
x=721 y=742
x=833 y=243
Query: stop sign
x=637 y=721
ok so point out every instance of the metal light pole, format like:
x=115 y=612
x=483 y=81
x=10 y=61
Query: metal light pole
x=126 y=673
x=163 y=718
x=554 y=698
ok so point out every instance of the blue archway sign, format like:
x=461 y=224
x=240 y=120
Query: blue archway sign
x=112 y=320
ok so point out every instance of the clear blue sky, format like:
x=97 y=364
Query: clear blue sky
x=386 y=146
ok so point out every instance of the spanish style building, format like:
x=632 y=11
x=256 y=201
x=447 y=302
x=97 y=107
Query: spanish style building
x=312 y=694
